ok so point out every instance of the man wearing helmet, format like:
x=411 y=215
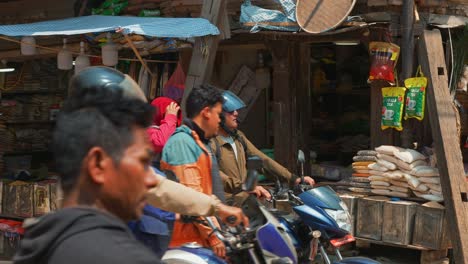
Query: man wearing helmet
x=102 y=154
x=231 y=147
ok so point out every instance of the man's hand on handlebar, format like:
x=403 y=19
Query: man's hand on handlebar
x=232 y=216
x=307 y=180
x=261 y=192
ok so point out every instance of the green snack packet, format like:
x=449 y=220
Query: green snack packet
x=416 y=96
x=392 y=107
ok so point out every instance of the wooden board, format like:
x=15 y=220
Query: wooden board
x=442 y=115
x=205 y=48
x=317 y=16
x=245 y=87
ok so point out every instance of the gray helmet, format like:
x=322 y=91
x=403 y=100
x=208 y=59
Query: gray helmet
x=232 y=102
x=106 y=78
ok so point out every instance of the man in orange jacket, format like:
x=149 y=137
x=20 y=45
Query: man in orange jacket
x=187 y=154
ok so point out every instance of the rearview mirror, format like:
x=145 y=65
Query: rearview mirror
x=253 y=164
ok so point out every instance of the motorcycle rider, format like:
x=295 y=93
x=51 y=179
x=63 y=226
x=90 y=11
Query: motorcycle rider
x=231 y=148
x=103 y=156
x=187 y=155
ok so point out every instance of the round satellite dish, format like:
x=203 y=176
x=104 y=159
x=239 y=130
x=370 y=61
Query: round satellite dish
x=318 y=16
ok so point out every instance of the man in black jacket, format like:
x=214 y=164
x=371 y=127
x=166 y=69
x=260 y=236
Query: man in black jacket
x=103 y=157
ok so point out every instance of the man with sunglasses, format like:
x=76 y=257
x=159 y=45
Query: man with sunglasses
x=232 y=148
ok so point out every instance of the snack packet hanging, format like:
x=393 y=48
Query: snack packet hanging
x=392 y=107
x=384 y=57
x=416 y=96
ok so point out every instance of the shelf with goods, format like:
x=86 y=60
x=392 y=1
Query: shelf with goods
x=31 y=97
x=340 y=99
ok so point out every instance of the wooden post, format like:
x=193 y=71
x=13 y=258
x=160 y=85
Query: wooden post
x=407 y=55
x=282 y=110
x=303 y=111
x=442 y=114
x=205 y=48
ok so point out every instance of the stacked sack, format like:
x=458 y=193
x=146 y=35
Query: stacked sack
x=398 y=170
x=386 y=177
x=361 y=171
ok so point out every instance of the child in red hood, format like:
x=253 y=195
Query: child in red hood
x=167 y=117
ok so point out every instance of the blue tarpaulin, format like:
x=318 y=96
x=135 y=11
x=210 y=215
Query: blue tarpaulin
x=149 y=26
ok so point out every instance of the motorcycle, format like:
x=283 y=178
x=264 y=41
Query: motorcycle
x=265 y=242
x=320 y=221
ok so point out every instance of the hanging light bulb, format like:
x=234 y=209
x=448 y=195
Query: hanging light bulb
x=82 y=61
x=110 y=54
x=28 y=46
x=65 y=58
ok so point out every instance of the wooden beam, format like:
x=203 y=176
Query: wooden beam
x=303 y=111
x=282 y=97
x=442 y=114
x=205 y=48
x=407 y=63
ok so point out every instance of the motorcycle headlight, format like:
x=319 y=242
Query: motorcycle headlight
x=341 y=217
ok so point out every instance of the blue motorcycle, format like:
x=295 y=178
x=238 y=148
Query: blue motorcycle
x=320 y=223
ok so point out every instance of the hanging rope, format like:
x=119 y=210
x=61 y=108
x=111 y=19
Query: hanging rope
x=77 y=53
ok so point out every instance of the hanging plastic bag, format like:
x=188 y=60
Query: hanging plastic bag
x=258 y=18
x=175 y=86
x=392 y=107
x=384 y=57
x=416 y=96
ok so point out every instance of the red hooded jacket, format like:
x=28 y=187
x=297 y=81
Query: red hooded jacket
x=163 y=125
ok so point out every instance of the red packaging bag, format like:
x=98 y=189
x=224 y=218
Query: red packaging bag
x=384 y=57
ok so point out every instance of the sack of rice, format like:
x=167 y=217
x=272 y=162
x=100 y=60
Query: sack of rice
x=376 y=173
x=394 y=175
x=388 y=150
x=434 y=192
x=360 y=168
x=380 y=183
x=421 y=188
x=388 y=158
x=380 y=191
x=373 y=178
x=362 y=163
x=386 y=164
x=409 y=166
x=367 y=153
x=425 y=171
x=434 y=186
x=413 y=181
x=429 y=197
x=409 y=155
x=364 y=158
x=377 y=167
x=400 y=184
x=379 y=187
x=360 y=179
x=435 y=180
x=359 y=190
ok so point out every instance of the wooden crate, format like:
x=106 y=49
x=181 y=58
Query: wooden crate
x=351 y=203
x=369 y=217
x=430 y=228
x=398 y=222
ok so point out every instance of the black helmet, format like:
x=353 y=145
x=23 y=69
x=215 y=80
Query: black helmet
x=104 y=77
x=232 y=102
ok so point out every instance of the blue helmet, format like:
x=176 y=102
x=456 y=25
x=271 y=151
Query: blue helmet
x=232 y=102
